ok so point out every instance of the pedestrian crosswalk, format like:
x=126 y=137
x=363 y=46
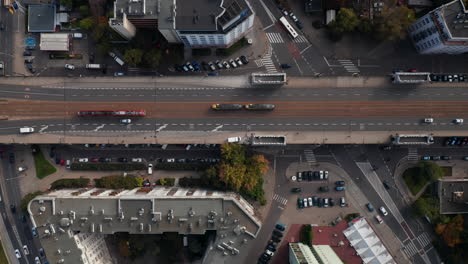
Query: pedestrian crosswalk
x=267 y=61
x=424 y=239
x=274 y=37
x=349 y=66
x=300 y=39
x=310 y=156
x=280 y=199
x=413 y=154
x=410 y=249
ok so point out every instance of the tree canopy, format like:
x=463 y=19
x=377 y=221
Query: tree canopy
x=393 y=23
x=133 y=56
x=87 y=23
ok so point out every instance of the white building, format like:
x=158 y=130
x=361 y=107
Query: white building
x=443 y=30
x=195 y=23
x=55 y=41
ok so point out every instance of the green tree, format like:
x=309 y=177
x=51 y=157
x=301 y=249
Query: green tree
x=306 y=235
x=133 y=56
x=346 y=21
x=84 y=10
x=365 y=26
x=87 y=23
x=430 y=171
x=153 y=57
x=27 y=198
x=393 y=23
x=66 y=3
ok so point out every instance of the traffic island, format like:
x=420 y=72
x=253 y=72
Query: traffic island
x=43 y=167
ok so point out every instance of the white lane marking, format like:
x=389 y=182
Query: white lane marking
x=99 y=127
x=305 y=48
x=217 y=128
x=161 y=127
x=43 y=128
x=2 y=91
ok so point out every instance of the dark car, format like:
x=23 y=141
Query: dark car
x=316 y=175
x=13 y=208
x=123 y=160
x=244 y=59
x=285 y=66
x=300 y=203
x=41 y=253
x=320 y=202
x=315 y=201
x=310 y=175
x=271 y=248
x=385 y=184
x=324 y=189
x=280 y=226
x=299 y=24
x=57 y=160
x=435 y=157
x=275 y=239
x=331 y=202
x=277 y=233
x=27 y=53
x=205 y=66
x=12 y=157
x=24 y=219
x=370 y=207
x=446 y=158
x=296 y=190
x=178 y=68
x=196 y=66
x=340 y=183
x=30 y=68
x=259 y=106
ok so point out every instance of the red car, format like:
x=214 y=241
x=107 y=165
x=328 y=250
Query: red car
x=94 y=160
x=62 y=162
x=413 y=70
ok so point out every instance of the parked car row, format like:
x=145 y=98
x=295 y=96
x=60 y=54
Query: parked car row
x=140 y=160
x=311 y=175
x=449 y=78
x=293 y=18
x=212 y=66
x=270 y=250
x=436 y=158
x=382 y=210
x=319 y=202
x=456 y=141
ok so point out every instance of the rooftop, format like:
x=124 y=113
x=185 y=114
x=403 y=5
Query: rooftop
x=452 y=198
x=198 y=14
x=140 y=211
x=456 y=18
x=41 y=18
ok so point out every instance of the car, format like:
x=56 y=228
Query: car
x=275 y=239
x=189 y=66
x=296 y=190
x=178 y=68
x=321 y=175
x=425 y=158
x=238 y=61
x=226 y=65
x=226 y=106
x=233 y=63
x=280 y=226
x=277 y=233
x=285 y=66
x=458 y=121
x=310 y=201
x=310 y=176
x=320 y=202
x=205 y=66
x=122 y=159
x=428 y=120
x=323 y=188
x=94 y=159
x=117 y=74
x=331 y=201
x=17 y=254
x=12 y=208
x=383 y=211
x=219 y=65
x=340 y=183
x=30 y=68
x=68 y=164
x=285 y=12
x=196 y=66
x=370 y=207
x=412 y=70
x=465 y=158
x=41 y=253
x=83 y=160
x=211 y=66
x=125 y=121
x=150 y=168
x=260 y=106
x=340 y=188
x=379 y=219
x=325 y=175
x=25 y=250
x=269 y=253
x=29 y=60
x=244 y=59
x=446 y=157
x=105 y=159
x=69 y=66
x=137 y=160
x=306 y=204
x=299 y=176
x=271 y=248
x=325 y=202
x=299 y=24
x=291 y=14
x=185 y=68
x=300 y=203
x=435 y=157
x=315 y=200
x=342 y=202
x=316 y=175
x=27 y=53
x=37 y=260
x=386 y=185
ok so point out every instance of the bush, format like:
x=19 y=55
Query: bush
x=352 y=216
x=182 y=166
x=107 y=166
x=119 y=182
x=306 y=235
x=43 y=167
x=70 y=183
x=166 y=181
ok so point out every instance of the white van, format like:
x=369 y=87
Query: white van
x=26 y=130
x=77 y=35
x=234 y=139
x=150 y=168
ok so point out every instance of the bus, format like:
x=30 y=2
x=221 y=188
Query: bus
x=288 y=27
x=118 y=113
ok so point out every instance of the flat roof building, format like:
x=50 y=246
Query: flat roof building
x=41 y=18
x=452 y=198
x=61 y=215
x=55 y=41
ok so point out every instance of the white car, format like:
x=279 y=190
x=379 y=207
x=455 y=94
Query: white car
x=150 y=168
x=310 y=201
x=25 y=250
x=70 y=66
x=239 y=62
x=226 y=65
x=428 y=120
x=233 y=63
x=270 y=253
x=458 y=121
x=342 y=202
x=125 y=121
x=325 y=175
x=83 y=160
x=37 y=261
x=17 y=253
x=321 y=175
x=379 y=219
x=170 y=160
x=137 y=160
x=383 y=211
x=305 y=202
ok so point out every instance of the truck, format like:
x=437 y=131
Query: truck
x=26 y=130
x=226 y=107
x=94 y=66
x=116 y=58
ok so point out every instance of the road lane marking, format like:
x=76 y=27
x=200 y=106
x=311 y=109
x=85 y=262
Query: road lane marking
x=161 y=127
x=3 y=91
x=43 y=128
x=99 y=127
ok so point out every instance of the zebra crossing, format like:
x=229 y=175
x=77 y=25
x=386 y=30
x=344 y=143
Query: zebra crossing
x=274 y=37
x=349 y=66
x=413 y=154
x=410 y=249
x=310 y=156
x=424 y=239
x=300 y=39
x=280 y=199
x=267 y=61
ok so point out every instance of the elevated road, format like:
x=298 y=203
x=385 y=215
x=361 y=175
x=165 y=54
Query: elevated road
x=182 y=105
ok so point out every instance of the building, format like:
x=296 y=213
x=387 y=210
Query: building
x=41 y=18
x=366 y=243
x=195 y=23
x=72 y=223
x=312 y=6
x=55 y=42
x=443 y=30
x=318 y=254
x=452 y=198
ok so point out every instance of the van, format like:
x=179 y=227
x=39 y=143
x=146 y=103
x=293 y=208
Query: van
x=234 y=139
x=119 y=61
x=77 y=35
x=68 y=164
x=150 y=168
x=26 y=130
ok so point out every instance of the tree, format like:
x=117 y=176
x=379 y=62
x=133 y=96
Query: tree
x=365 y=26
x=87 y=23
x=346 y=21
x=306 y=235
x=451 y=232
x=430 y=171
x=27 y=198
x=84 y=10
x=66 y=3
x=393 y=23
x=153 y=57
x=133 y=56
